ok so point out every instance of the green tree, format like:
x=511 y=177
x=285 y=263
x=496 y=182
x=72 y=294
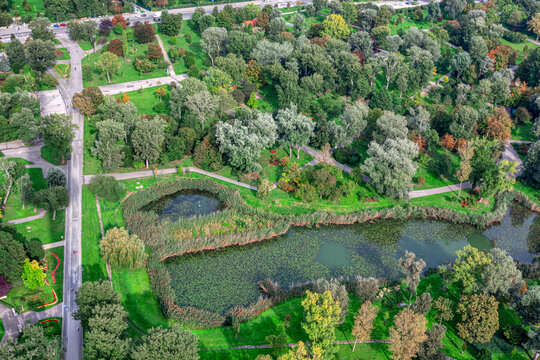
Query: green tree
x=122 y=250
x=168 y=344
x=16 y=54
x=109 y=144
x=500 y=177
x=147 y=139
x=25 y=189
x=432 y=348
x=443 y=307
x=454 y=8
x=412 y=269
x=406 y=335
x=532 y=163
x=58 y=132
x=11 y=172
x=202 y=105
x=103 y=337
x=33 y=276
x=33 y=344
x=433 y=12
x=91 y=295
x=353 y=121
x=294 y=128
x=170 y=24
x=40 y=29
x=56 y=177
x=469 y=267
x=363 y=322
x=28 y=126
x=321 y=316
x=52 y=199
x=479 y=318
x=213 y=41
x=107 y=188
x=391 y=166
x=11 y=258
x=253 y=102
x=500 y=275
x=529 y=307
x=108 y=63
x=41 y=55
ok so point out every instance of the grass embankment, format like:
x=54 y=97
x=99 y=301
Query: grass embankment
x=13 y=209
x=255 y=331
x=127 y=71
x=145 y=99
x=23 y=299
x=520 y=48
x=46 y=229
x=408 y=22
x=65 y=55
x=35 y=7
x=63 y=70
x=181 y=41
x=51 y=328
x=523 y=132
x=2 y=330
x=51 y=155
x=133 y=286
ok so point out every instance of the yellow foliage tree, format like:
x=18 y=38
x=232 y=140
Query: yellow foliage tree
x=33 y=276
x=336 y=27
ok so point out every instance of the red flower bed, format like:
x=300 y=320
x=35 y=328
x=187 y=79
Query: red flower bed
x=46 y=321
x=51 y=303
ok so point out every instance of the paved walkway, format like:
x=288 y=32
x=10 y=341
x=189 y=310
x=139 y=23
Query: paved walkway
x=40 y=215
x=439 y=190
x=13 y=322
x=510 y=154
x=32 y=154
x=50 y=101
x=54 y=245
x=166 y=56
x=133 y=175
x=219 y=177
x=115 y=89
x=534 y=41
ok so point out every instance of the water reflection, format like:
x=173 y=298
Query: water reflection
x=184 y=205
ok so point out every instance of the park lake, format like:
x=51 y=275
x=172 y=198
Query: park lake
x=220 y=279
x=184 y=204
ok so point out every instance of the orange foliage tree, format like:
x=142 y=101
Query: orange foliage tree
x=503 y=56
x=119 y=19
x=499 y=125
x=448 y=142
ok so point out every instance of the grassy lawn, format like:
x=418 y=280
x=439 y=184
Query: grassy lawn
x=65 y=55
x=23 y=299
x=51 y=328
x=91 y=165
x=523 y=132
x=46 y=230
x=145 y=99
x=433 y=179
x=2 y=330
x=49 y=153
x=519 y=48
x=127 y=71
x=255 y=331
x=201 y=59
x=92 y=265
x=409 y=22
x=309 y=20
x=35 y=6
x=13 y=209
x=531 y=193
x=63 y=70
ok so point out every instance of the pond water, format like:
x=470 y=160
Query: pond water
x=217 y=280
x=183 y=205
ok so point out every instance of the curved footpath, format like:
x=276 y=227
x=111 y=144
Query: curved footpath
x=13 y=322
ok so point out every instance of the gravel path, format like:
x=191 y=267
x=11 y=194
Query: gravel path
x=40 y=215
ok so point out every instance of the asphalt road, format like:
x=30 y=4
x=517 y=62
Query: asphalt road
x=71 y=329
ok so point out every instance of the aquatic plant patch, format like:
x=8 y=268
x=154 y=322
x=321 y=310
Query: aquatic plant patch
x=222 y=279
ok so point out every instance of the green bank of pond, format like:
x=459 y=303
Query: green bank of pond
x=220 y=279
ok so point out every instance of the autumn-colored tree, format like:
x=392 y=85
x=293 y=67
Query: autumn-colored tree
x=419 y=140
x=119 y=19
x=465 y=150
x=124 y=99
x=499 y=125
x=161 y=93
x=33 y=276
x=321 y=316
x=154 y=52
x=479 y=318
x=469 y=266
x=115 y=46
x=503 y=55
x=254 y=72
x=443 y=306
x=534 y=25
x=448 y=142
x=300 y=352
x=406 y=335
x=144 y=33
x=336 y=27
x=263 y=20
x=363 y=322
